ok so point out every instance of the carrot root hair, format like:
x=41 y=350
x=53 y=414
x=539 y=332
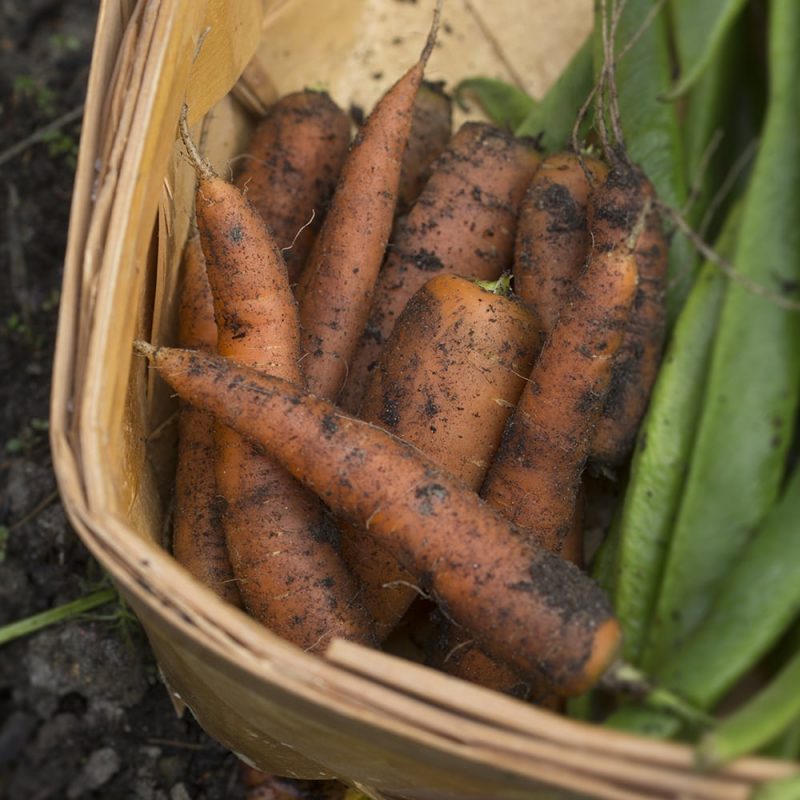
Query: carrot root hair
x=199 y=163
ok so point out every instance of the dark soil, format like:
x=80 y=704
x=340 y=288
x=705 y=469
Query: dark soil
x=82 y=711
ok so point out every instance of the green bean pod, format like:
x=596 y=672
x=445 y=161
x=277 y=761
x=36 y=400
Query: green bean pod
x=754 y=380
x=662 y=454
x=780 y=789
x=699 y=30
x=756 y=603
x=787 y=745
x=756 y=723
x=644 y=721
x=723 y=114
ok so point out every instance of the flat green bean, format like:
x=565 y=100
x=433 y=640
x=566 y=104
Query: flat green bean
x=661 y=457
x=755 y=604
x=723 y=114
x=759 y=721
x=787 y=745
x=644 y=722
x=699 y=30
x=780 y=789
x=751 y=398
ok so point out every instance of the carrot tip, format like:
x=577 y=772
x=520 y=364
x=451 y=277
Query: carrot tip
x=144 y=349
x=607 y=645
x=434 y=31
x=198 y=162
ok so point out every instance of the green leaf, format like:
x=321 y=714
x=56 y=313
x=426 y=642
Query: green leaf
x=553 y=117
x=506 y=105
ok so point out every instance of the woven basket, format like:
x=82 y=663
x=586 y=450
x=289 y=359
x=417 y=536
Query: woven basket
x=388 y=726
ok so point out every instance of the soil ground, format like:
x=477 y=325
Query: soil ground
x=82 y=711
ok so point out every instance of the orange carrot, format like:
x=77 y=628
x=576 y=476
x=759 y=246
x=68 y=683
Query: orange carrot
x=536 y=474
x=431 y=128
x=447 y=380
x=463 y=222
x=552 y=242
x=524 y=605
x=336 y=285
x=198 y=542
x=452 y=650
x=283 y=547
x=636 y=364
x=293 y=162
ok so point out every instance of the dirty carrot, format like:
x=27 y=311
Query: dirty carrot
x=198 y=542
x=291 y=167
x=282 y=545
x=550 y=253
x=524 y=605
x=641 y=62
x=336 y=285
x=431 y=129
x=552 y=242
x=535 y=477
x=638 y=359
x=447 y=380
x=454 y=651
x=463 y=222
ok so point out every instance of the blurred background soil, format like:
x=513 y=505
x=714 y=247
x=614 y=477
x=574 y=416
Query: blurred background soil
x=83 y=713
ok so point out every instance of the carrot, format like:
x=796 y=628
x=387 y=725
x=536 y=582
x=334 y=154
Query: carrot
x=550 y=253
x=293 y=161
x=535 y=477
x=197 y=539
x=197 y=328
x=283 y=547
x=451 y=650
x=431 y=128
x=524 y=605
x=446 y=382
x=336 y=285
x=638 y=359
x=552 y=242
x=463 y=222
